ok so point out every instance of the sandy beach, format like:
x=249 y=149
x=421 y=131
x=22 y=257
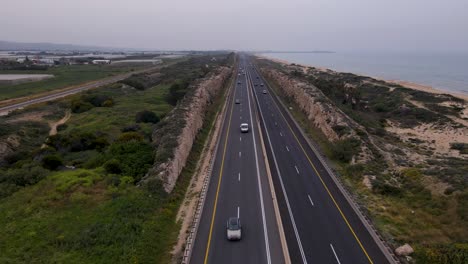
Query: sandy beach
x=406 y=84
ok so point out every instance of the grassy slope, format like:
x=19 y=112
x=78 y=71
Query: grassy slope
x=64 y=76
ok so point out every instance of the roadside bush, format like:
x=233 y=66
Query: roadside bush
x=98 y=100
x=344 y=150
x=113 y=166
x=177 y=91
x=77 y=141
x=442 y=254
x=78 y=106
x=130 y=136
x=28 y=174
x=131 y=128
x=135 y=158
x=61 y=127
x=386 y=189
x=462 y=147
x=462 y=207
x=52 y=162
x=146 y=117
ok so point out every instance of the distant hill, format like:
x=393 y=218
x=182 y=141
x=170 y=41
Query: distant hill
x=17 y=46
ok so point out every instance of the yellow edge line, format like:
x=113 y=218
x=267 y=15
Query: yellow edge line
x=326 y=188
x=219 y=182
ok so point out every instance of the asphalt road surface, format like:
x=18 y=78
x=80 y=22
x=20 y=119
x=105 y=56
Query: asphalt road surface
x=238 y=187
x=319 y=223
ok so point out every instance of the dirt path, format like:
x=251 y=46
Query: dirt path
x=54 y=125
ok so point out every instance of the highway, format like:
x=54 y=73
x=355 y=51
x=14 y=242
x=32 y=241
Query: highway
x=238 y=187
x=320 y=224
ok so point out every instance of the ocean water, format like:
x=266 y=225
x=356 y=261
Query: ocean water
x=443 y=71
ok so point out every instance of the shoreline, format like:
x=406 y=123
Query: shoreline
x=406 y=84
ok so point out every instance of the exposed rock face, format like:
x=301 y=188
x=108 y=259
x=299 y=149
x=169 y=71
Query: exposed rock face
x=315 y=105
x=7 y=146
x=181 y=126
x=404 y=250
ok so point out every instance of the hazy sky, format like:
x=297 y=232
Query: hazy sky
x=426 y=25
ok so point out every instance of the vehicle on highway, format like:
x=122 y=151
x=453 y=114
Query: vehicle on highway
x=244 y=127
x=233 y=229
x=264 y=91
x=258 y=77
x=237 y=101
x=239 y=82
x=261 y=84
x=256 y=84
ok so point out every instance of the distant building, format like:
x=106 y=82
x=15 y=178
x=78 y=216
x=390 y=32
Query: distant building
x=101 y=61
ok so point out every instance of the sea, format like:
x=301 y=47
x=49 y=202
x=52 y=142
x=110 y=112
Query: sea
x=443 y=71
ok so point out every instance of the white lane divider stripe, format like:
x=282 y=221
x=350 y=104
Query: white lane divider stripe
x=239 y=176
x=287 y=148
x=334 y=253
x=310 y=199
x=297 y=170
x=238 y=212
x=240 y=154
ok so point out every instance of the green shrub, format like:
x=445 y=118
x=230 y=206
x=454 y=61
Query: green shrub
x=442 y=254
x=130 y=136
x=135 y=158
x=177 y=91
x=462 y=147
x=113 y=166
x=61 y=127
x=384 y=188
x=78 y=106
x=344 y=150
x=52 y=162
x=146 y=117
x=462 y=207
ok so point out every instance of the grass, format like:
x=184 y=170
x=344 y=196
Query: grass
x=64 y=76
x=81 y=217
x=127 y=102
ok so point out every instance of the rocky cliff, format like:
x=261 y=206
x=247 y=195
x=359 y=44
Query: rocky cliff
x=315 y=105
x=175 y=135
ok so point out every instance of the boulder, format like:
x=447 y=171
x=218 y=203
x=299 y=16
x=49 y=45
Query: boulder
x=404 y=250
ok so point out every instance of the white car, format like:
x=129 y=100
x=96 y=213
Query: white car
x=244 y=127
x=233 y=229
x=264 y=91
